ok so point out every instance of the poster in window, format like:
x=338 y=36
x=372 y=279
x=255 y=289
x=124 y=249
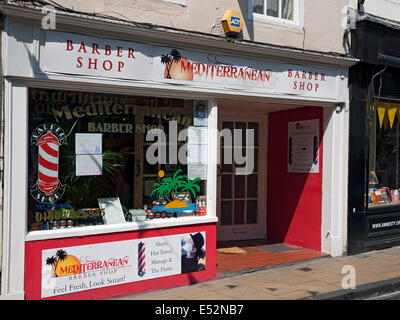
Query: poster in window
x=200 y=113
x=303 y=146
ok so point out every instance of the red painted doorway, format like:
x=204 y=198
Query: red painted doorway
x=293 y=199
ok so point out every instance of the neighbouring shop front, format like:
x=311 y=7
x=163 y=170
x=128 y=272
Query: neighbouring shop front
x=127 y=161
x=374 y=207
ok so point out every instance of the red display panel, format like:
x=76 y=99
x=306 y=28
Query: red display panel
x=34 y=264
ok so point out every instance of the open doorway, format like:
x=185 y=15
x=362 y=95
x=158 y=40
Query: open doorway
x=270 y=203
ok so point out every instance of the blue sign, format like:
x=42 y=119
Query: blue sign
x=235 y=21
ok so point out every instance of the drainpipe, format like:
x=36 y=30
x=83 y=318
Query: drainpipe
x=1 y=144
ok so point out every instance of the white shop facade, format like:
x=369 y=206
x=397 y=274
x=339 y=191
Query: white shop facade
x=94 y=207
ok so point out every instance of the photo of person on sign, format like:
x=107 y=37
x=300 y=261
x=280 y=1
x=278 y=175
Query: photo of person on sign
x=200 y=113
x=193 y=252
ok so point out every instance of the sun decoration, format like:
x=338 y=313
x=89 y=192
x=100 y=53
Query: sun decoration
x=161 y=173
x=176 y=66
x=175 y=190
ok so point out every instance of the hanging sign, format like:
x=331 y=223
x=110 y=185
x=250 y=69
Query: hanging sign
x=303 y=146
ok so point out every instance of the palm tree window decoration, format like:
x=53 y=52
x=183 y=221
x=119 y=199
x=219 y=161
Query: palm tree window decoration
x=168 y=59
x=175 y=190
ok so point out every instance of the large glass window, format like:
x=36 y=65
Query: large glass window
x=98 y=158
x=384 y=161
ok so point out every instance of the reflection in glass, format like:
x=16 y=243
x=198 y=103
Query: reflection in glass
x=258 y=6
x=273 y=8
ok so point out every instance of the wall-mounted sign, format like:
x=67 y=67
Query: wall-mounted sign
x=80 y=268
x=89 y=56
x=303 y=146
x=77 y=54
x=232 y=22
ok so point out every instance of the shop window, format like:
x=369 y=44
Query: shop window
x=100 y=159
x=281 y=12
x=384 y=157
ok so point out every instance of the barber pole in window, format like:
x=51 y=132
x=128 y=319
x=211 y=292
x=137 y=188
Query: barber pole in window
x=48 y=138
x=141 y=259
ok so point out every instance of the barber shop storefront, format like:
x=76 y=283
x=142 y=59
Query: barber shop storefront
x=127 y=161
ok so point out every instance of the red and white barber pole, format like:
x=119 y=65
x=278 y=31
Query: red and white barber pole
x=48 y=163
x=48 y=138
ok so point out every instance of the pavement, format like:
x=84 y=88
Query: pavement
x=322 y=278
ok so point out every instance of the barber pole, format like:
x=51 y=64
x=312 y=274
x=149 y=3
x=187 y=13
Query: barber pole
x=48 y=163
x=141 y=259
x=315 y=150
x=48 y=138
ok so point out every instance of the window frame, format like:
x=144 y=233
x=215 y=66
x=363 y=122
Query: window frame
x=296 y=23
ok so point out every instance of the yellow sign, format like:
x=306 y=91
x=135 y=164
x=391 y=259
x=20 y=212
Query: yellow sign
x=232 y=22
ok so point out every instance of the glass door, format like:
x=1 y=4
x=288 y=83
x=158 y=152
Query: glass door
x=241 y=205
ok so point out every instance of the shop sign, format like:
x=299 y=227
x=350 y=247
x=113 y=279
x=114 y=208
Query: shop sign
x=83 y=55
x=173 y=65
x=303 y=146
x=384 y=225
x=80 y=268
x=76 y=54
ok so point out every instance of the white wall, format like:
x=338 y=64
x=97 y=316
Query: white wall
x=388 y=9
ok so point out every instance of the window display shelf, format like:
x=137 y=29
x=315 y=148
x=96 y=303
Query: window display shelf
x=120 y=227
x=383 y=205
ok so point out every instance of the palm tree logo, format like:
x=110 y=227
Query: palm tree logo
x=53 y=261
x=169 y=59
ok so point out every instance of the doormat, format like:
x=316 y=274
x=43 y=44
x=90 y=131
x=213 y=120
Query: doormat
x=277 y=248
x=232 y=250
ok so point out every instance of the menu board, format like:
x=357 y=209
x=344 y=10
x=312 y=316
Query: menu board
x=303 y=146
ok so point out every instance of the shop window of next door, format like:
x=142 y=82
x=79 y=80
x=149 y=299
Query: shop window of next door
x=384 y=156
x=97 y=158
x=287 y=13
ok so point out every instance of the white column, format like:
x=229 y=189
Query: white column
x=15 y=190
x=212 y=158
x=334 y=186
